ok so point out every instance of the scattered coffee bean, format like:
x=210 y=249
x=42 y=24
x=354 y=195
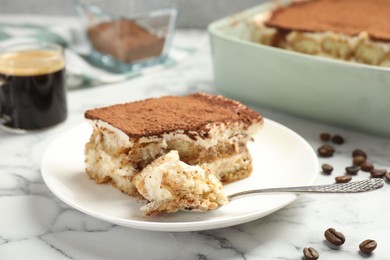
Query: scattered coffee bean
x=378 y=173
x=353 y=170
x=367 y=246
x=327 y=168
x=343 y=179
x=325 y=137
x=366 y=166
x=387 y=176
x=326 y=150
x=358 y=152
x=337 y=139
x=334 y=237
x=357 y=160
x=359 y=163
x=310 y=253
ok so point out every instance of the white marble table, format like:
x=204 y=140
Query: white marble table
x=34 y=224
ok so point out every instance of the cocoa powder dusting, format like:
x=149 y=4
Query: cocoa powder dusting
x=349 y=17
x=157 y=116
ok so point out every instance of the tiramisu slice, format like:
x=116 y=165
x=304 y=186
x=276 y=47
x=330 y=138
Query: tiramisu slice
x=171 y=185
x=354 y=30
x=205 y=129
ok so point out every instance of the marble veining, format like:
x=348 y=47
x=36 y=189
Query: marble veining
x=34 y=224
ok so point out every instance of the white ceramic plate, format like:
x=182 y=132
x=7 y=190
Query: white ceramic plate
x=281 y=158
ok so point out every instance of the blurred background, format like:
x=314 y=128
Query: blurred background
x=192 y=13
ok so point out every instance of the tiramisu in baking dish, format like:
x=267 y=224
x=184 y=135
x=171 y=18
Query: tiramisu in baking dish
x=354 y=30
x=130 y=144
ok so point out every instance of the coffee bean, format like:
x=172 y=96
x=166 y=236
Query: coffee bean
x=337 y=139
x=310 y=253
x=378 y=173
x=357 y=160
x=327 y=168
x=367 y=246
x=366 y=166
x=334 y=237
x=358 y=152
x=387 y=176
x=326 y=150
x=325 y=137
x=343 y=179
x=353 y=170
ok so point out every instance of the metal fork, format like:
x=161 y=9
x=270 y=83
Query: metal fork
x=350 y=187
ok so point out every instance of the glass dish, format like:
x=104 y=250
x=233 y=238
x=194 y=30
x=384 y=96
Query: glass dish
x=127 y=35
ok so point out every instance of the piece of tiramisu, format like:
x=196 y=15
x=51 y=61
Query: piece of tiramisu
x=207 y=130
x=171 y=185
x=353 y=30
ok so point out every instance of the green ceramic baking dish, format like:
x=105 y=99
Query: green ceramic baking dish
x=346 y=94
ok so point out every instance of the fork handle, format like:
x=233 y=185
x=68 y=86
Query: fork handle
x=350 y=187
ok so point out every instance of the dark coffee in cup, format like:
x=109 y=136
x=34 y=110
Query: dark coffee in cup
x=32 y=92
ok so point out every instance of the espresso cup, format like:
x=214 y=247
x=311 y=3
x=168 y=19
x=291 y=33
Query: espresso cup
x=32 y=86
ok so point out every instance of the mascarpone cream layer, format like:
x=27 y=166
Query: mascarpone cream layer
x=216 y=134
